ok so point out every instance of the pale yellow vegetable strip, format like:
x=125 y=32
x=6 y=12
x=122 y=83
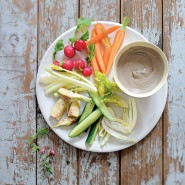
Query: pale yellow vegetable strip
x=130 y=114
x=116 y=134
x=125 y=114
x=134 y=113
x=74 y=73
x=71 y=80
x=54 y=87
x=105 y=139
x=101 y=132
x=117 y=126
x=123 y=122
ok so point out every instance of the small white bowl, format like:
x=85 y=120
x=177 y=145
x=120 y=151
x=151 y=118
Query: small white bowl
x=138 y=82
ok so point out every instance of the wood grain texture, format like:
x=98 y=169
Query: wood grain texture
x=18 y=53
x=97 y=168
x=27 y=28
x=56 y=17
x=174 y=130
x=142 y=163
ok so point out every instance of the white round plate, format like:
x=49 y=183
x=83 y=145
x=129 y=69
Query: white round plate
x=149 y=109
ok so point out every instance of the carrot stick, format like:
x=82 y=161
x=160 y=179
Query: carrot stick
x=94 y=62
x=98 y=54
x=99 y=28
x=118 y=40
x=101 y=35
x=106 y=55
x=95 y=65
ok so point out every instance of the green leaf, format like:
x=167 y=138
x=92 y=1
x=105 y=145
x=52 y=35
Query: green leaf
x=35 y=148
x=83 y=22
x=91 y=49
x=40 y=133
x=85 y=36
x=107 y=90
x=73 y=39
x=54 y=55
x=46 y=165
x=31 y=140
x=58 y=47
x=102 y=79
x=115 y=99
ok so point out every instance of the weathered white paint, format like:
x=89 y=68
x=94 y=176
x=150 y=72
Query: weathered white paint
x=155 y=180
x=174 y=16
x=153 y=150
x=55 y=17
x=153 y=35
x=94 y=166
x=174 y=176
x=104 y=10
x=90 y=169
x=113 y=168
x=149 y=13
x=18 y=53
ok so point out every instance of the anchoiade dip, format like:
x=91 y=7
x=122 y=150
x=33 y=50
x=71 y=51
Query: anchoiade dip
x=140 y=69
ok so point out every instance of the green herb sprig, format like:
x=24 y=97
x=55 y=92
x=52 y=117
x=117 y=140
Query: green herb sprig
x=35 y=148
x=91 y=49
x=46 y=159
x=46 y=165
x=58 y=47
x=41 y=132
x=82 y=23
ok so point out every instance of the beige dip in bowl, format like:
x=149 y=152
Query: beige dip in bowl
x=140 y=69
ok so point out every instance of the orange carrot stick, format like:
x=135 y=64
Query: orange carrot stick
x=106 y=55
x=94 y=62
x=118 y=40
x=99 y=28
x=95 y=65
x=98 y=54
x=101 y=35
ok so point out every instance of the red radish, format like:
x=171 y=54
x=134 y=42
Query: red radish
x=80 y=45
x=87 y=71
x=52 y=152
x=56 y=63
x=69 y=51
x=79 y=64
x=67 y=64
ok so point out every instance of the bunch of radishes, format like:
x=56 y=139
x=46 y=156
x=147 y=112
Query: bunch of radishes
x=78 y=64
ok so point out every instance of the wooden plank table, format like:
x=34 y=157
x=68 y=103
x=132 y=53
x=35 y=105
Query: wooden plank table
x=27 y=28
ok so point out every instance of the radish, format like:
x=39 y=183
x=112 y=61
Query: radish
x=69 y=51
x=67 y=64
x=87 y=71
x=51 y=152
x=56 y=63
x=80 y=45
x=79 y=64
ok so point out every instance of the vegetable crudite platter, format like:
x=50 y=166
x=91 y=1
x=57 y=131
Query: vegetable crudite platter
x=79 y=97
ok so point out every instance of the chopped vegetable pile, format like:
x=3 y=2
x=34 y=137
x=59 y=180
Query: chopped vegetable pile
x=67 y=78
